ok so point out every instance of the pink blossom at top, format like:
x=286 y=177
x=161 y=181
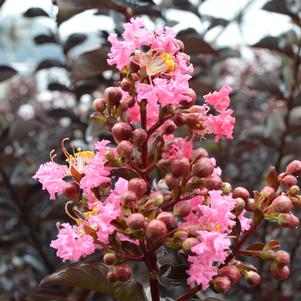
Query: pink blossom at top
x=212 y=249
x=72 y=243
x=219 y=99
x=221 y=125
x=51 y=177
x=165 y=40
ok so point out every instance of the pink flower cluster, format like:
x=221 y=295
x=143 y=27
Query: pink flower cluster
x=215 y=222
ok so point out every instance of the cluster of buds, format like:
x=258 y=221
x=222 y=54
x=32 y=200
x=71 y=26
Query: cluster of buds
x=155 y=190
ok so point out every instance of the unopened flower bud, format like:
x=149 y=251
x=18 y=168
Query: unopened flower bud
x=199 y=153
x=128 y=199
x=138 y=186
x=189 y=243
x=240 y=205
x=111 y=277
x=181 y=209
x=72 y=191
x=139 y=137
x=288 y=220
x=123 y=272
x=180 y=166
x=250 y=205
x=192 y=95
x=252 y=278
x=155 y=199
x=222 y=284
x=125 y=84
x=112 y=95
x=163 y=163
x=280 y=272
x=191 y=229
x=109 y=258
x=289 y=180
x=267 y=191
x=226 y=188
x=294 y=190
x=156 y=230
x=125 y=149
x=294 y=168
x=169 y=127
x=172 y=181
x=136 y=221
x=180 y=119
x=281 y=204
x=231 y=272
x=203 y=168
x=121 y=131
x=282 y=258
x=296 y=200
x=213 y=182
x=240 y=192
x=99 y=105
x=168 y=218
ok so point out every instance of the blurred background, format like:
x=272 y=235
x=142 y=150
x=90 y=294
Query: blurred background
x=52 y=67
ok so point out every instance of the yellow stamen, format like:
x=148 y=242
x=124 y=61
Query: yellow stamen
x=218 y=228
x=170 y=63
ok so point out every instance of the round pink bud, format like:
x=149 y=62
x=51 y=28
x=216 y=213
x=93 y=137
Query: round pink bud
x=180 y=166
x=189 y=243
x=112 y=95
x=289 y=180
x=136 y=221
x=281 y=204
x=280 y=273
x=240 y=205
x=288 y=220
x=294 y=168
x=168 y=218
x=138 y=186
x=109 y=258
x=296 y=200
x=203 y=168
x=156 y=230
x=252 y=278
x=139 y=137
x=125 y=84
x=72 y=191
x=231 y=272
x=180 y=119
x=125 y=149
x=128 y=199
x=213 y=183
x=111 y=277
x=199 y=153
x=181 y=209
x=172 y=181
x=226 y=188
x=222 y=284
x=282 y=258
x=241 y=192
x=121 y=131
x=169 y=127
x=99 y=105
x=267 y=191
x=123 y=272
x=250 y=205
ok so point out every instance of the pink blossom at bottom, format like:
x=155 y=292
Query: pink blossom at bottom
x=72 y=243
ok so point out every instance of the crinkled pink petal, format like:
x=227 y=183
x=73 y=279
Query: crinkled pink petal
x=219 y=99
x=51 y=175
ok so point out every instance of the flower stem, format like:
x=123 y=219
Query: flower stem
x=189 y=294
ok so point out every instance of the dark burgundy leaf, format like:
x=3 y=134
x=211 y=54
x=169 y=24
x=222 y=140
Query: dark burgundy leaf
x=6 y=72
x=58 y=87
x=173 y=274
x=280 y=7
x=272 y=178
x=74 y=40
x=44 y=39
x=35 y=12
x=92 y=275
x=49 y=63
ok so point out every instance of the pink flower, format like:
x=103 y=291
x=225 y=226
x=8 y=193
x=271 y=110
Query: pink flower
x=219 y=99
x=51 y=177
x=218 y=215
x=146 y=91
x=72 y=243
x=221 y=125
x=177 y=148
x=211 y=250
x=165 y=40
x=245 y=222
